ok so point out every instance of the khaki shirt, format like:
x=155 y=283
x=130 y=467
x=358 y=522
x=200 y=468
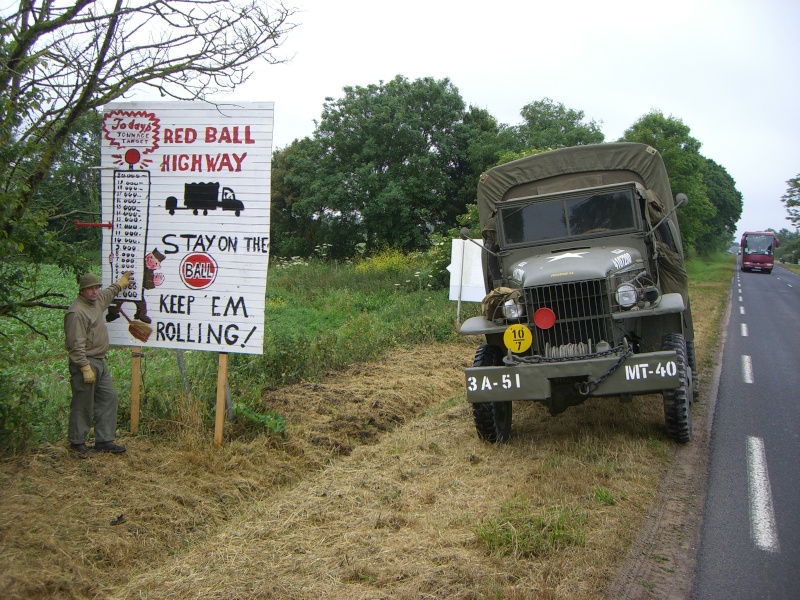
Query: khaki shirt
x=85 y=328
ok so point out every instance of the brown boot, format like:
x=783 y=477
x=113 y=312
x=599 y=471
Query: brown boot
x=82 y=449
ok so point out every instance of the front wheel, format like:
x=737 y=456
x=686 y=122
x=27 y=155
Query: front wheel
x=678 y=401
x=492 y=419
x=691 y=357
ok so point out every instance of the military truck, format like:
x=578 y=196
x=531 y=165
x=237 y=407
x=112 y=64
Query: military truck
x=586 y=287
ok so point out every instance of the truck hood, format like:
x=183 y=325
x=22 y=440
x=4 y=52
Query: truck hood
x=576 y=264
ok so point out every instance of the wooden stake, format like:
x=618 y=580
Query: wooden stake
x=222 y=380
x=136 y=379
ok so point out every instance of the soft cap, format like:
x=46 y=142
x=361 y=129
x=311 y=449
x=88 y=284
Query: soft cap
x=88 y=280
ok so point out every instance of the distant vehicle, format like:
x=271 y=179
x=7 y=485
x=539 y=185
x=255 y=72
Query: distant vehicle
x=205 y=197
x=587 y=291
x=758 y=251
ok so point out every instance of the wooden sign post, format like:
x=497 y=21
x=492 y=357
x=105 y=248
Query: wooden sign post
x=222 y=378
x=136 y=379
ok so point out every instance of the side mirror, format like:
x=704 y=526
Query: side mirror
x=465 y=236
x=680 y=200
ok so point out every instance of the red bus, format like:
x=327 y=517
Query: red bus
x=758 y=250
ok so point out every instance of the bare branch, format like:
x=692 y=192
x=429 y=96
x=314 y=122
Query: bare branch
x=62 y=58
x=26 y=323
x=11 y=311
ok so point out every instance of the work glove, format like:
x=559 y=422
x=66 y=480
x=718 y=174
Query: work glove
x=125 y=280
x=88 y=374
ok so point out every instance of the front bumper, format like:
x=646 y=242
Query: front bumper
x=638 y=374
x=757 y=266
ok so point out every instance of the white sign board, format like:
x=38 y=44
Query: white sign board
x=186 y=200
x=466 y=272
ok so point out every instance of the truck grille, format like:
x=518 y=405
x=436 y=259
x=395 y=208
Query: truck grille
x=582 y=312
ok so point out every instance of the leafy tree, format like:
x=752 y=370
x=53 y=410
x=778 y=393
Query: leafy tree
x=480 y=145
x=791 y=199
x=294 y=231
x=386 y=164
x=59 y=61
x=553 y=125
x=685 y=166
x=71 y=190
x=302 y=218
x=789 y=249
x=727 y=200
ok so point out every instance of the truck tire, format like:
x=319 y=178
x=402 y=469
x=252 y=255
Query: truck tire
x=492 y=419
x=691 y=357
x=678 y=401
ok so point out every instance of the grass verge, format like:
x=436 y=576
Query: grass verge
x=378 y=487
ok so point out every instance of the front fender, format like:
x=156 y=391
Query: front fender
x=481 y=326
x=668 y=304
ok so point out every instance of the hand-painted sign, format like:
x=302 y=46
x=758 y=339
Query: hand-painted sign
x=186 y=187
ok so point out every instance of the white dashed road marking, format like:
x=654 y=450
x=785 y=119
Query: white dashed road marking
x=762 y=515
x=744 y=329
x=747 y=369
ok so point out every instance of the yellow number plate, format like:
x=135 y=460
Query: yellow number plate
x=518 y=338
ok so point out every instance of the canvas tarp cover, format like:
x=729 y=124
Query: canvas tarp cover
x=571 y=169
x=581 y=167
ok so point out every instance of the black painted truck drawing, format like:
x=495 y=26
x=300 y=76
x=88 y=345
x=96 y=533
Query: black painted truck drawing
x=204 y=197
x=587 y=292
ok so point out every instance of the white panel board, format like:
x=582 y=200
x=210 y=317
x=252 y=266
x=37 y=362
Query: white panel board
x=186 y=189
x=466 y=273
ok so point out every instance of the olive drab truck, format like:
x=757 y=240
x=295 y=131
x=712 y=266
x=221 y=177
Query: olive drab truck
x=587 y=292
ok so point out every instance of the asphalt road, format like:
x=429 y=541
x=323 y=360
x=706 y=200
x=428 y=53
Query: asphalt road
x=750 y=536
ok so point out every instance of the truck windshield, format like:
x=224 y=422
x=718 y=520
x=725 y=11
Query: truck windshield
x=545 y=220
x=758 y=244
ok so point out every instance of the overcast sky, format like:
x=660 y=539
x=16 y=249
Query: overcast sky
x=729 y=69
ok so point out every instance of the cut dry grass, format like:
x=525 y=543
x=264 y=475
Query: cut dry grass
x=379 y=488
x=399 y=519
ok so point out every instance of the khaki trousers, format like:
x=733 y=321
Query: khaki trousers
x=97 y=402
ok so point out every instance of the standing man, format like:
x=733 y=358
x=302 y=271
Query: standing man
x=93 y=393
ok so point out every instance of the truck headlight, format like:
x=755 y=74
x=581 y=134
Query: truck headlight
x=626 y=295
x=512 y=310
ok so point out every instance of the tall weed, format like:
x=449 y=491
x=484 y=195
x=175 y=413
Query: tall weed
x=716 y=268
x=320 y=316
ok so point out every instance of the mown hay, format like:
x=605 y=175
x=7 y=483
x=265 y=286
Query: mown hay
x=376 y=490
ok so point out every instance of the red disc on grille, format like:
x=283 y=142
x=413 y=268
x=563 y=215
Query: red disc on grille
x=544 y=318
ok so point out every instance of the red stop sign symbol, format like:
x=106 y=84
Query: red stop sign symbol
x=198 y=270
